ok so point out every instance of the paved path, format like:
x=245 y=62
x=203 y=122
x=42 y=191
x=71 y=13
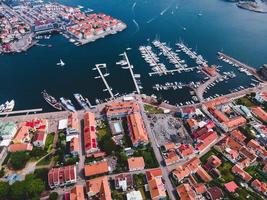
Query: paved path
x=168 y=184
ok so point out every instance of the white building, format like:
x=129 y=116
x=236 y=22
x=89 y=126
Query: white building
x=7 y=132
x=261 y=97
x=134 y=195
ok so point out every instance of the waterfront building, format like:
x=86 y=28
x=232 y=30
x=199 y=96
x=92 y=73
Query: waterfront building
x=7 y=132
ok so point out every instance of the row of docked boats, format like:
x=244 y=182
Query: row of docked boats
x=192 y=54
x=8 y=106
x=152 y=59
x=240 y=68
x=66 y=104
x=171 y=56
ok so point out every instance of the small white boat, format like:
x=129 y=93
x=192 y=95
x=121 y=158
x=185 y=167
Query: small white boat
x=61 y=63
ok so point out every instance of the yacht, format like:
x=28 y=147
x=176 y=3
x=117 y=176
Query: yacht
x=8 y=106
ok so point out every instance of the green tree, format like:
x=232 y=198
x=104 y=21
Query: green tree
x=4 y=190
x=19 y=159
x=17 y=191
x=34 y=186
x=53 y=196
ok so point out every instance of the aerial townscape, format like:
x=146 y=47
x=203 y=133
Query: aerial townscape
x=175 y=123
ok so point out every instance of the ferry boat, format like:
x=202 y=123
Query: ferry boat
x=8 y=106
x=51 y=100
x=67 y=104
x=82 y=101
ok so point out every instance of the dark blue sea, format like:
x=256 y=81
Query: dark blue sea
x=222 y=27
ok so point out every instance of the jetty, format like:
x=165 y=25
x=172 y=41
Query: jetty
x=130 y=67
x=98 y=67
x=238 y=63
x=25 y=112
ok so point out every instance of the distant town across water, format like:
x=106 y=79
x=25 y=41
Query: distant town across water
x=168 y=44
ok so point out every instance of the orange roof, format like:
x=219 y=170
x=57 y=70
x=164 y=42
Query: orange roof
x=99 y=187
x=171 y=157
x=231 y=186
x=151 y=174
x=186 y=149
x=235 y=122
x=73 y=121
x=169 y=146
x=22 y=134
x=77 y=193
x=210 y=70
x=233 y=144
x=96 y=168
x=248 y=153
x=219 y=115
x=192 y=122
x=137 y=128
x=185 y=192
x=190 y=166
x=203 y=175
x=217 y=101
x=200 y=188
x=90 y=139
x=243 y=174
x=260 y=186
x=135 y=163
x=118 y=108
x=260 y=113
x=206 y=140
x=20 y=147
x=74 y=144
x=155 y=184
x=238 y=135
x=214 y=161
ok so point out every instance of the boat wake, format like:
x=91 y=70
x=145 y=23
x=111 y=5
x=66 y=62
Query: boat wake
x=151 y=20
x=165 y=10
x=133 y=7
x=137 y=25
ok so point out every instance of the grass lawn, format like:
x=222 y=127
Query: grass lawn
x=246 y=194
x=225 y=169
x=152 y=109
x=208 y=154
x=245 y=101
x=49 y=142
x=256 y=173
x=45 y=161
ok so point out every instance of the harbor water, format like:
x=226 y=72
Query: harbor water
x=221 y=26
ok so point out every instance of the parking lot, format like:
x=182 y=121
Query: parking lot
x=167 y=128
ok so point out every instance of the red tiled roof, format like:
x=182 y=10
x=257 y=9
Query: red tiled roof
x=20 y=147
x=231 y=186
x=96 y=168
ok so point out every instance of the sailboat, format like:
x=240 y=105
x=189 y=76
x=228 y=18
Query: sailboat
x=60 y=63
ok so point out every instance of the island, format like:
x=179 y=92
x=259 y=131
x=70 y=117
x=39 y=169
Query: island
x=22 y=24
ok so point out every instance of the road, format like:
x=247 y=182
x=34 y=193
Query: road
x=169 y=187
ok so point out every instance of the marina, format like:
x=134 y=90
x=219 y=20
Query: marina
x=75 y=78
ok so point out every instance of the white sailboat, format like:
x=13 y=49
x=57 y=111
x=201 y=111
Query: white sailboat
x=61 y=63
